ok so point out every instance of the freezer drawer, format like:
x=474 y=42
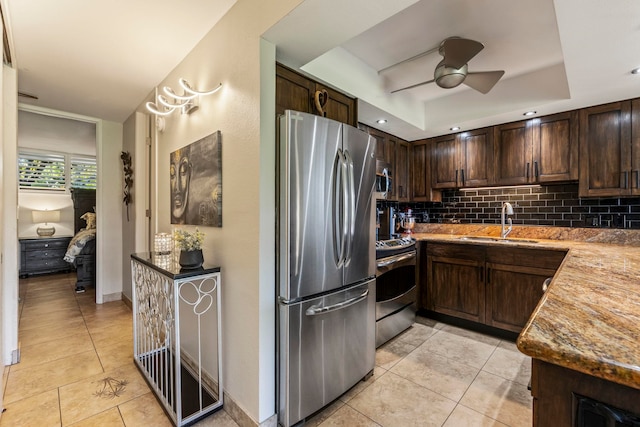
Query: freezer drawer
x=326 y=346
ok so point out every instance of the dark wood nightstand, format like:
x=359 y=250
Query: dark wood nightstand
x=40 y=255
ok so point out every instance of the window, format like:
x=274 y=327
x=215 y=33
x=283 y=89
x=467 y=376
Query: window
x=41 y=171
x=83 y=172
x=55 y=171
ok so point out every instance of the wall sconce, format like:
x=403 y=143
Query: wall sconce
x=39 y=217
x=170 y=101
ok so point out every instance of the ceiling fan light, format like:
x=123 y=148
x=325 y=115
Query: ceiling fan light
x=448 y=77
x=454 y=128
x=381 y=121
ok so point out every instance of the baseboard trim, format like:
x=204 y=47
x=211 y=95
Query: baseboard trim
x=112 y=297
x=127 y=302
x=242 y=418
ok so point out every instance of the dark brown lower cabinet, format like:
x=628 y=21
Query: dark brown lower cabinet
x=514 y=283
x=455 y=281
x=558 y=391
x=498 y=286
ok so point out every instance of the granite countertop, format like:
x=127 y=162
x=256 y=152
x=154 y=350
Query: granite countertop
x=589 y=318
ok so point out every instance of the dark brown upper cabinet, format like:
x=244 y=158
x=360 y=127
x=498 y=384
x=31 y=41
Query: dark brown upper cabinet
x=297 y=92
x=513 y=149
x=610 y=150
x=402 y=172
x=385 y=145
x=537 y=151
x=555 y=148
x=420 y=154
x=463 y=159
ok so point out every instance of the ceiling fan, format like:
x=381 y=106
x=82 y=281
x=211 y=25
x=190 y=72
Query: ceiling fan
x=453 y=69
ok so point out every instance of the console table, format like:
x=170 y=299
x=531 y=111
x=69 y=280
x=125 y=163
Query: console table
x=176 y=334
x=40 y=255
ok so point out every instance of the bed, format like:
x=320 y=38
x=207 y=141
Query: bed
x=81 y=252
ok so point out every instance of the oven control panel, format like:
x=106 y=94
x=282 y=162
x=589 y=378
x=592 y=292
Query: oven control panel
x=404 y=242
x=390 y=247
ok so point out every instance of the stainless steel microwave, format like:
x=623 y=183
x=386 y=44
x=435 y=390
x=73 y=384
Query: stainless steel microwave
x=384 y=180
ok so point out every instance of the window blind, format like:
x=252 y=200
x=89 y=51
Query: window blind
x=83 y=172
x=41 y=171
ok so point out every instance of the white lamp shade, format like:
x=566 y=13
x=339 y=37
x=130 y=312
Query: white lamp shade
x=39 y=217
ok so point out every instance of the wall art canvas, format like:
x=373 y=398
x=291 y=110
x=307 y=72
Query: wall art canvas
x=196 y=182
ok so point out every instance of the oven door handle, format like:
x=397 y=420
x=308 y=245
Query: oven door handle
x=383 y=262
x=315 y=310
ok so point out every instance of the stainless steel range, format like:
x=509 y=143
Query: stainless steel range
x=395 y=287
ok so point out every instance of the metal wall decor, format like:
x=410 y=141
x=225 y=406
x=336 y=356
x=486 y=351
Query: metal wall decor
x=128 y=179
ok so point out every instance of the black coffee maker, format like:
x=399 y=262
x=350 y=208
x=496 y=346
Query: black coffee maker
x=386 y=223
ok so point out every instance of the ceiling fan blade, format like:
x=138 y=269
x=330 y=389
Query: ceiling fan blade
x=458 y=51
x=483 y=81
x=412 y=86
x=27 y=95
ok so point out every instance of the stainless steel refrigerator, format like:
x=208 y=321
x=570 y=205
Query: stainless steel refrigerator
x=326 y=262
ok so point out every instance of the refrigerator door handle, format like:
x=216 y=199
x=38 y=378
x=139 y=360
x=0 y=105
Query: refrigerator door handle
x=350 y=205
x=338 y=235
x=344 y=178
x=316 y=310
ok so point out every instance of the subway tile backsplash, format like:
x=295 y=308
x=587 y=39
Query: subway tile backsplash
x=553 y=205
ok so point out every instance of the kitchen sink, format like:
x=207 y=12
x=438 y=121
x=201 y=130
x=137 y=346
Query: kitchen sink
x=495 y=239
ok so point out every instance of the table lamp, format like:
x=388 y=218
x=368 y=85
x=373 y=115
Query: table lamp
x=39 y=217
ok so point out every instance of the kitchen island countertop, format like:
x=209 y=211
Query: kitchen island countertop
x=589 y=318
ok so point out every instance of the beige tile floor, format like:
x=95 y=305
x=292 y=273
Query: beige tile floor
x=431 y=375
x=439 y=375
x=69 y=348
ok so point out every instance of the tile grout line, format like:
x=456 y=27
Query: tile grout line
x=84 y=320
x=59 y=406
x=469 y=386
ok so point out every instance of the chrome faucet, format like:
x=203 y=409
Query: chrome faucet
x=507 y=209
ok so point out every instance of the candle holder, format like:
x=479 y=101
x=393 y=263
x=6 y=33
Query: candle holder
x=163 y=244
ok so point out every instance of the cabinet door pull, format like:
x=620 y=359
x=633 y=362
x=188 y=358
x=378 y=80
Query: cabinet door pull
x=626 y=179
x=462 y=174
x=637 y=171
x=488 y=275
x=535 y=169
x=400 y=191
x=527 y=171
x=481 y=274
x=456 y=176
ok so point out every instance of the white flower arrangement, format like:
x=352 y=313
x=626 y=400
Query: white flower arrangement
x=189 y=241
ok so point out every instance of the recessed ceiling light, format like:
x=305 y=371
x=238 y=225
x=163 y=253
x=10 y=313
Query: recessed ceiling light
x=455 y=128
x=381 y=121
x=529 y=113
x=635 y=71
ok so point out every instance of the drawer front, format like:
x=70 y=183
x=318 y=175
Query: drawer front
x=38 y=245
x=45 y=254
x=47 y=264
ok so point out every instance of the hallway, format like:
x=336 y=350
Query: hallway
x=76 y=366
x=77 y=370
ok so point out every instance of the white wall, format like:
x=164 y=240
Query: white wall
x=129 y=224
x=30 y=200
x=2 y=315
x=135 y=228
x=232 y=53
x=109 y=212
x=9 y=233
